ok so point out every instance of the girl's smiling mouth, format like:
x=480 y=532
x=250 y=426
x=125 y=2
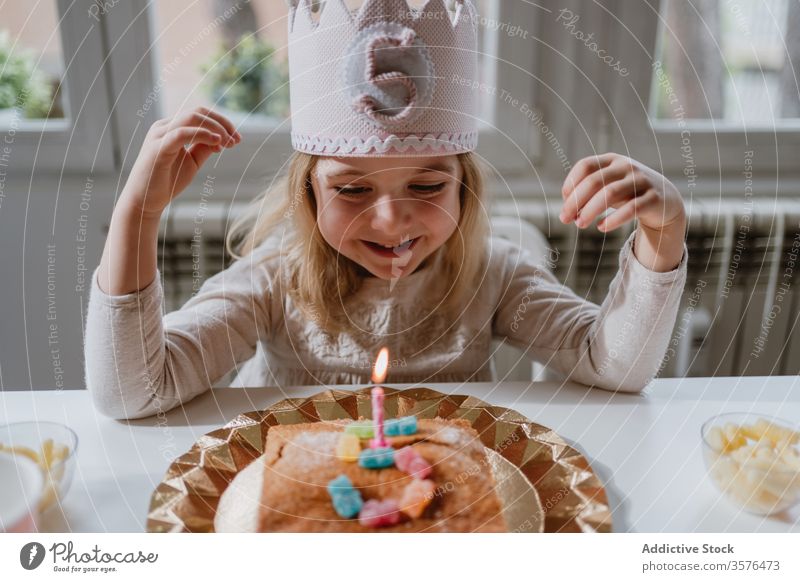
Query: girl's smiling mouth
x=390 y=251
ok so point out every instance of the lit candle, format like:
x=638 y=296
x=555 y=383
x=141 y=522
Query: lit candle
x=378 y=376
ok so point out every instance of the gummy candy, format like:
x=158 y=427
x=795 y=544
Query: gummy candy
x=377 y=513
x=379 y=458
x=363 y=429
x=404 y=426
x=416 y=497
x=409 y=461
x=348 y=448
x=346 y=500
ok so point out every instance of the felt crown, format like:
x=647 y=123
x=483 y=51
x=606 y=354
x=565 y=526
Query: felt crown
x=383 y=81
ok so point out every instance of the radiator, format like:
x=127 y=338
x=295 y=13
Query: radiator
x=740 y=308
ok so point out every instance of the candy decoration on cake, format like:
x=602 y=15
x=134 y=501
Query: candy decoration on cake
x=363 y=429
x=411 y=462
x=346 y=499
x=376 y=458
x=417 y=495
x=404 y=426
x=348 y=448
x=379 y=513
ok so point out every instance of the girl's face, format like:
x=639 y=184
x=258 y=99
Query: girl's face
x=387 y=214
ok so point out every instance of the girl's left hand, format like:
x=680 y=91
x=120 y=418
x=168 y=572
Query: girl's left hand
x=614 y=181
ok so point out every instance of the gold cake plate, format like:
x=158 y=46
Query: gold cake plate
x=544 y=484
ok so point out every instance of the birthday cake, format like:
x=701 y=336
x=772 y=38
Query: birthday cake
x=421 y=476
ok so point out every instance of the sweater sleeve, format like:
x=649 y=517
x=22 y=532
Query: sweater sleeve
x=139 y=363
x=618 y=345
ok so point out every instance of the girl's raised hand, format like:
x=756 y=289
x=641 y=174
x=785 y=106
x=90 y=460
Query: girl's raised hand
x=610 y=180
x=172 y=153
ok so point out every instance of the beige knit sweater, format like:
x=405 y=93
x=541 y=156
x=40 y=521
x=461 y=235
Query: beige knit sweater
x=140 y=362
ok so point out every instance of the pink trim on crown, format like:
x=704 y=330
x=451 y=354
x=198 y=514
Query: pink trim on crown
x=442 y=144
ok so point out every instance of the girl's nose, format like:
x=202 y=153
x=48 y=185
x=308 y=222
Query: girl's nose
x=391 y=215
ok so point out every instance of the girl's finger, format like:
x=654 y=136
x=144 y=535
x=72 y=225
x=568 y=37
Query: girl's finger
x=200 y=152
x=614 y=194
x=582 y=169
x=158 y=128
x=627 y=211
x=187 y=136
x=197 y=119
x=587 y=188
x=224 y=121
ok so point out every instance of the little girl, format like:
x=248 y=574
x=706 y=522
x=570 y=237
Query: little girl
x=376 y=235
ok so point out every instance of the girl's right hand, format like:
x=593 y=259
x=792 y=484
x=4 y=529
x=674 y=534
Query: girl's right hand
x=172 y=153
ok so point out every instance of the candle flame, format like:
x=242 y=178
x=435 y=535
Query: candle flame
x=381 y=364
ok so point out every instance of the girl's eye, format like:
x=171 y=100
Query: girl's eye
x=421 y=188
x=350 y=191
x=428 y=188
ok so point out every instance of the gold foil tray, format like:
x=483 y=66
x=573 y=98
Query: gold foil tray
x=570 y=496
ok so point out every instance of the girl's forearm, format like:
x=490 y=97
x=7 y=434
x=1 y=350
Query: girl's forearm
x=129 y=257
x=660 y=250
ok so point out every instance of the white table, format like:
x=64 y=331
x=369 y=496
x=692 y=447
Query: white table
x=645 y=448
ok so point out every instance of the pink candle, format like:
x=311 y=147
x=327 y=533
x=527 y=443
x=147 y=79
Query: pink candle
x=378 y=376
x=377 y=418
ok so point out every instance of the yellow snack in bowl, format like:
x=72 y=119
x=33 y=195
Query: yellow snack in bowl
x=775 y=433
x=716 y=439
x=50 y=454
x=757 y=465
x=791 y=458
x=733 y=437
x=18 y=450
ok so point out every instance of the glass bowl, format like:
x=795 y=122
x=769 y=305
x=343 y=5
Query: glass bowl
x=754 y=459
x=52 y=446
x=20 y=492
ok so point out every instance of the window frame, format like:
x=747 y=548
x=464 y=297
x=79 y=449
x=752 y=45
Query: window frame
x=83 y=142
x=718 y=149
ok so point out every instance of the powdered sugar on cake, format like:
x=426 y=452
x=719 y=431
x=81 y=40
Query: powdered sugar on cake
x=317 y=442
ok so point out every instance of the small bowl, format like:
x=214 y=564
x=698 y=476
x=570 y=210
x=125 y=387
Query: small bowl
x=36 y=440
x=21 y=488
x=759 y=481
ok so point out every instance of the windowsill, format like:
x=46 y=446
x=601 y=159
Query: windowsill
x=36 y=126
x=785 y=126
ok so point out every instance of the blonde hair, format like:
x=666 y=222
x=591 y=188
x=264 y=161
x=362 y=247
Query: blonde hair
x=317 y=272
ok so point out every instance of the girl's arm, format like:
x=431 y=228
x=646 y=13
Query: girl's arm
x=141 y=363
x=138 y=363
x=172 y=153
x=620 y=344
x=632 y=191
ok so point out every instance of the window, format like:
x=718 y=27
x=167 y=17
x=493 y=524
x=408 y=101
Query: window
x=31 y=64
x=231 y=56
x=711 y=91
x=746 y=75
x=53 y=101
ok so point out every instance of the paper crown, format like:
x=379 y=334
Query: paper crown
x=383 y=81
